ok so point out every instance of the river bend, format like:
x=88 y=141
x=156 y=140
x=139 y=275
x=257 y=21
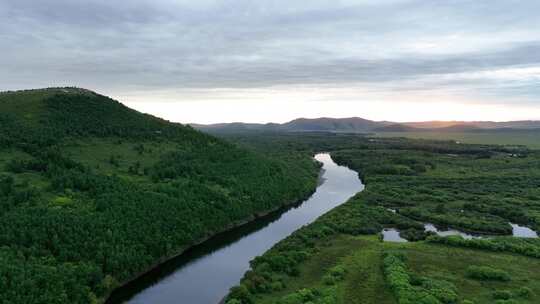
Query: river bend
x=205 y=273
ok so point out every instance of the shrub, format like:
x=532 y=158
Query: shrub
x=410 y=288
x=442 y=290
x=502 y=295
x=513 y=245
x=328 y=279
x=414 y=235
x=334 y=275
x=276 y=286
x=302 y=296
x=524 y=292
x=485 y=273
x=240 y=293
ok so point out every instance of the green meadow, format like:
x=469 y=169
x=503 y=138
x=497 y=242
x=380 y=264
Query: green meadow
x=365 y=282
x=530 y=139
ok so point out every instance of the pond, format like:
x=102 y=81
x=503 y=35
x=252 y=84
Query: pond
x=392 y=235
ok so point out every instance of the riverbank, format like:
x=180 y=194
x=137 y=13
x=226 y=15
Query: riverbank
x=218 y=263
x=238 y=224
x=227 y=229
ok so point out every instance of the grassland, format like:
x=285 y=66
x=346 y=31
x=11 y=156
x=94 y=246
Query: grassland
x=364 y=281
x=530 y=139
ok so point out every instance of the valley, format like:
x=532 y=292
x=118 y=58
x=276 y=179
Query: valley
x=269 y=152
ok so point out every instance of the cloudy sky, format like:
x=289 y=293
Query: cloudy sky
x=258 y=61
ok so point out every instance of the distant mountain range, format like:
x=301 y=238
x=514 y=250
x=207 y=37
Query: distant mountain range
x=360 y=125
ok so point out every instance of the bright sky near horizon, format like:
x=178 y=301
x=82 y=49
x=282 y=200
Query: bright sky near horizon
x=213 y=61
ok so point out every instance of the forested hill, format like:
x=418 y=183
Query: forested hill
x=93 y=193
x=59 y=112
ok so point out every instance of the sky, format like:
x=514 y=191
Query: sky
x=209 y=61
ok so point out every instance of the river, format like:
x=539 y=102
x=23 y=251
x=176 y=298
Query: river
x=204 y=274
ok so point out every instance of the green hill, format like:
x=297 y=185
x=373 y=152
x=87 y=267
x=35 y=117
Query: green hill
x=57 y=113
x=93 y=193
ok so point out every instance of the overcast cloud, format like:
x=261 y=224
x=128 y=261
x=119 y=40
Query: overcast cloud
x=481 y=51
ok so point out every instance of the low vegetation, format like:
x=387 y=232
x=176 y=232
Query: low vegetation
x=410 y=288
x=484 y=273
x=524 y=137
x=477 y=188
x=525 y=247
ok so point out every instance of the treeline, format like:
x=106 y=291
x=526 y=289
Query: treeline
x=522 y=246
x=326 y=142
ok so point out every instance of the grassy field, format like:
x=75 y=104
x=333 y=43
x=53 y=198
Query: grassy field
x=364 y=281
x=526 y=138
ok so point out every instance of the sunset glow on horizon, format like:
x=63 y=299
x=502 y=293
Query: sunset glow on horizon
x=210 y=112
x=272 y=61
x=285 y=104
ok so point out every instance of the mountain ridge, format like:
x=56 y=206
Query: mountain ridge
x=361 y=125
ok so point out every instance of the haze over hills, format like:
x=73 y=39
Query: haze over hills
x=352 y=124
x=361 y=125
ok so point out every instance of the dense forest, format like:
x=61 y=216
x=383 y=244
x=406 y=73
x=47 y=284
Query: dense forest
x=340 y=258
x=93 y=193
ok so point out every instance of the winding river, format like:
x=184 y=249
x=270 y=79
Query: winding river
x=204 y=274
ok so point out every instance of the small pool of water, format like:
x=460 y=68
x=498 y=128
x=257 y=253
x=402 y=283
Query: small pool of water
x=449 y=232
x=523 y=232
x=392 y=235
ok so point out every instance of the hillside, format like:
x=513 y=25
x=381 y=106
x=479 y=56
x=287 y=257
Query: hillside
x=93 y=193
